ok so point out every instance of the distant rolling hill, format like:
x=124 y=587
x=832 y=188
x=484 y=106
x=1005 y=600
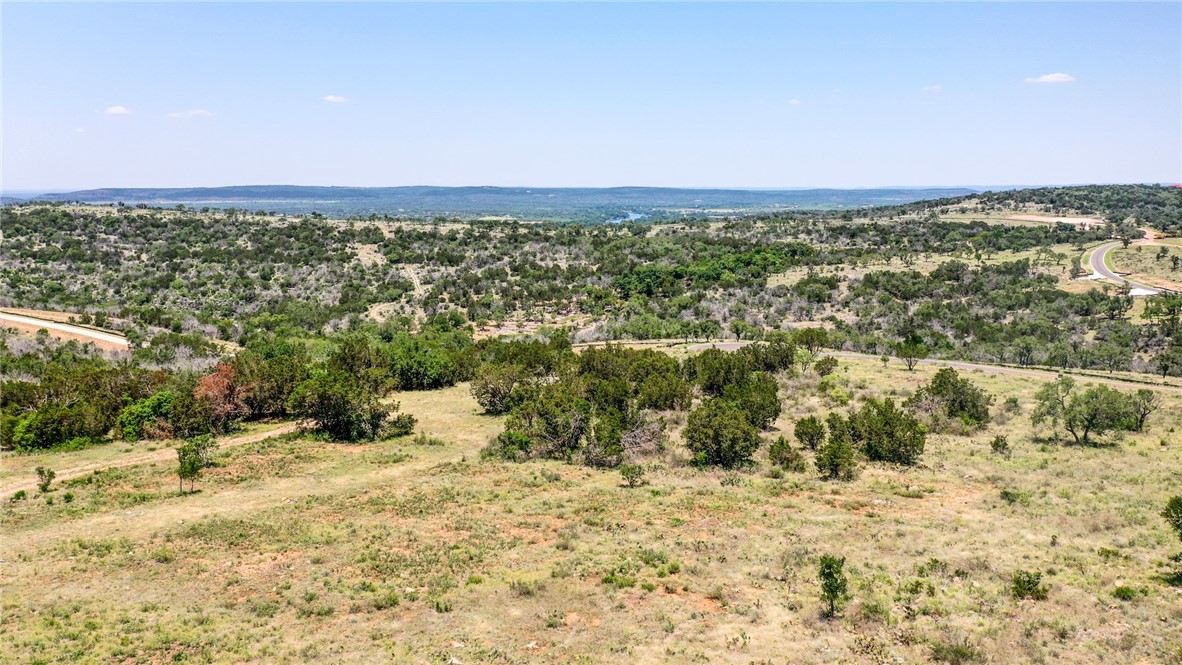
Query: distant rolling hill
x=582 y=204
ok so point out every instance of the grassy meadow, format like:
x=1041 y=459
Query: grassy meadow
x=1144 y=263
x=296 y=550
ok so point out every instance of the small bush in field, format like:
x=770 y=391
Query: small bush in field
x=401 y=425
x=633 y=474
x=1000 y=445
x=1025 y=584
x=782 y=454
x=45 y=476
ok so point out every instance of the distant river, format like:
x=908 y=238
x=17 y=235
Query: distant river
x=632 y=217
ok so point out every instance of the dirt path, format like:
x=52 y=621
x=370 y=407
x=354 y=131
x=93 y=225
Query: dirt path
x=159 y=455
x=141 y=522
x=413 y=273
x=101 y=338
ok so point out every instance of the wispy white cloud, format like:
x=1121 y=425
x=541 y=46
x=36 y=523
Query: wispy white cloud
x=1057 y=77
x=795 y=102
x=117 y=110
x=195 y=113
x=933 y=89
x=335 y=99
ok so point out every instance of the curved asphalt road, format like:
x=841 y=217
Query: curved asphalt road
x=1100 y=268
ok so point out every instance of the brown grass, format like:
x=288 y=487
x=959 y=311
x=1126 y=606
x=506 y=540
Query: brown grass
x=306 y=551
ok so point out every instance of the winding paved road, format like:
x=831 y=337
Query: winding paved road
x=1100 y=268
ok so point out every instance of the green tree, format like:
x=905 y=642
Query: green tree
x=889 y=434
x=140 y=414
x=664 y=392
x=810 y=432
x=837 y=459
x=958 y=398
x=1093 y=412
x=45 y=476
x=271 y=368
x=1168 y=362
x=825 y=366
x=812 y=339
x=714 y=370
x=1141 y=405
x=834 y=584
x=1173 y=514
x=781 y=453
x=494 y=386
x=758 y=398
x=189 y=464
x=718 y=433
x=555 y=422
x=911 y=353
x=340 y=406
x=1051 y=402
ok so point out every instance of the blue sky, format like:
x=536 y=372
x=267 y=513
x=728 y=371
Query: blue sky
x=761 y=95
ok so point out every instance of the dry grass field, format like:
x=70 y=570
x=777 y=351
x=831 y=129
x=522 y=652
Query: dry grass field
x=295 y=550
x=1144 y=264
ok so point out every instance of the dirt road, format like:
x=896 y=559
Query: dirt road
x=102 y=339
x=160 y=455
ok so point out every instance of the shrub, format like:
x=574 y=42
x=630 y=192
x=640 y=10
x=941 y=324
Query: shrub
x=664 y=392
x=782 y=454
x=955 y=653
x=386 y=601
x=758 y=398
x=1000 y=445
x=1128 y=593
x=633 y=474
x=958 y=398
x=45 y=476
x=525 y=589
x=1173 y=514
x=1015 y=496
x=825 y=366
x=509 y=445
x=137 y=416
x=495 y=387
x=810 y=432
x=340 y=406
x=888 y=434
x=833 y=583
x=423 y=439
x=401 y=425
x=718 y=433
x=836 y=459
x=1026 y=584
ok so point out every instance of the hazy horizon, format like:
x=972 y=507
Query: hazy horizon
x=14 y=192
